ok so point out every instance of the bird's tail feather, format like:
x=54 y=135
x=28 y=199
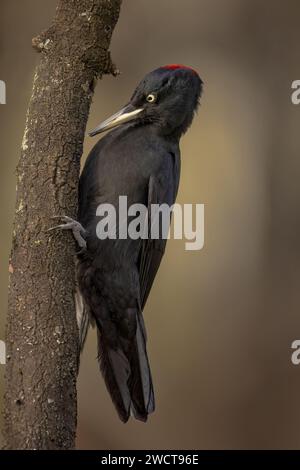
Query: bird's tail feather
x=115 y=370
x=140 y=383
x=83 y=318
x=127 y=375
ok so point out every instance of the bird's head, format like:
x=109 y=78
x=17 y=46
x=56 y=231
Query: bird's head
x=167 y=98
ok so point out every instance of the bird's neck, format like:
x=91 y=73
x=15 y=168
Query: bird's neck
x=171 y=135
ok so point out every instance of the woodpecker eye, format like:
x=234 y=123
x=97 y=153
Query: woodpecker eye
x=151 y=98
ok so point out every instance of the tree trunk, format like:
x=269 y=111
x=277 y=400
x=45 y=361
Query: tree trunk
x=42 y=334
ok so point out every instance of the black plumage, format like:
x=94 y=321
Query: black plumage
x=140 y=158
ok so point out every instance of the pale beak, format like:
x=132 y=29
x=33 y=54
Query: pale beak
x=128 y=113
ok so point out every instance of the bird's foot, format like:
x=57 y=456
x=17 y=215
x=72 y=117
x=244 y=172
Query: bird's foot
x=79 y=233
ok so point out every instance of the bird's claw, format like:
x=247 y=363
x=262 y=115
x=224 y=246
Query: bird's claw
x=70 y=224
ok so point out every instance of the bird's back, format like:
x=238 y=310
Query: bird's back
x=121 y=164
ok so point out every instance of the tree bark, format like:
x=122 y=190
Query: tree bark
x=42 y=335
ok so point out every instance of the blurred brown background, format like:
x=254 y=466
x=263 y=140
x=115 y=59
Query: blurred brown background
x=220 y=321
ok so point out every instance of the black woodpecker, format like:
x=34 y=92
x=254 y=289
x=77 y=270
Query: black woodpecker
x=139 y=158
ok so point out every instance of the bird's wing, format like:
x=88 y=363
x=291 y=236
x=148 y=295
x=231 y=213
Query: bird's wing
x=152 y=250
